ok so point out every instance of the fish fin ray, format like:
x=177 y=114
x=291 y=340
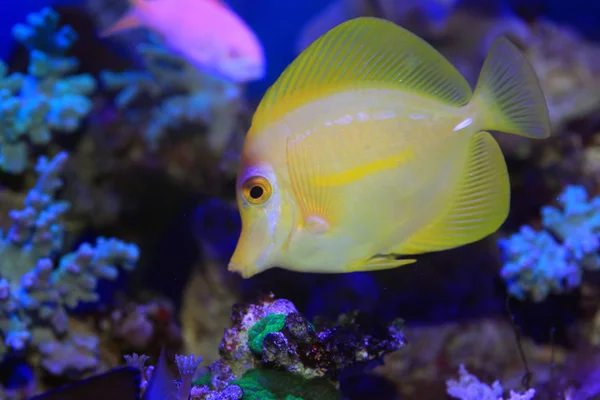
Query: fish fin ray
x=128 y=21
x=315 y=201
x=479 y=208
x=378 y=263
x=364 y=52
x=509 y=95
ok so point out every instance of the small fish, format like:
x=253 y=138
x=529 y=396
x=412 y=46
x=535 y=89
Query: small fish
x=371 y=146
x=208 y=33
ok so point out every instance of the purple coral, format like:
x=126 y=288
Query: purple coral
x=299 y=348
x=293 y=349
x=187 y=366
x=35 y=297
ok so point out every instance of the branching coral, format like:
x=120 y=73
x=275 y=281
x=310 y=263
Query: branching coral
x=48 y=98
x=35 y=297
x=552 y=260
x=186 y=96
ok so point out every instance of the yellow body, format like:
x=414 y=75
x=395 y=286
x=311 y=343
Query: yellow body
x=365 y=152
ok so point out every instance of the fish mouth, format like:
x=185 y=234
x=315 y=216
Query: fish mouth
x=251 y=253
x=245 y=272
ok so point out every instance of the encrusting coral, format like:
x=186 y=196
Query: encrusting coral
x=273 y=352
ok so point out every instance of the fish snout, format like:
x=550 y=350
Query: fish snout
x=244 y=271
x=251 y=253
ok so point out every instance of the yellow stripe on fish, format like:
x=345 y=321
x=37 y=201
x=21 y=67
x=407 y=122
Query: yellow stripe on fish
x=361 y=172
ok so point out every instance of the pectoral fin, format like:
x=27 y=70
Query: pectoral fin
x=315 y=201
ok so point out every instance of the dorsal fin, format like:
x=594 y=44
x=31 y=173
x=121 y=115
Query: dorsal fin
x=360 y=53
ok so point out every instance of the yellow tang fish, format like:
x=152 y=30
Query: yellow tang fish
x=371 y=146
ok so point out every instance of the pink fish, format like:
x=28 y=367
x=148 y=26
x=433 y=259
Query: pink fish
x=208 y=33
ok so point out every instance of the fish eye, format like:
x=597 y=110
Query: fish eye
x=256 y=190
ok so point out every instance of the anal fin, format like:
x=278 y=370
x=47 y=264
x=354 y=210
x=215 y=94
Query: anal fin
x=378 y=263
x=480 y=206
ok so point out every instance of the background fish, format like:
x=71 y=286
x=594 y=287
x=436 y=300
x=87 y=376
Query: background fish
x=372 y=145
x=207 y=33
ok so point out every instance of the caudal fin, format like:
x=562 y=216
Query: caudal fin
x=508 y=95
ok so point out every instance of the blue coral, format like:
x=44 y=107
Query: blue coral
x=35 y=297
x=48 y=98
x=553 y=260
x=182 y=95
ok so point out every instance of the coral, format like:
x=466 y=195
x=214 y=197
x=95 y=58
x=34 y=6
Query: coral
x=138 y=361
x=158 y=380
x=187 y=366
x=234 y=347
x=35 y=297
x=300 y=348
x=552 y=260
x=187 y=125
x=468 y=387
x=48 y=98
x=78 y=353
x=435 y=351
x=270 y=324
x=185 y=96
x=272 y=352
x=279 y=385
